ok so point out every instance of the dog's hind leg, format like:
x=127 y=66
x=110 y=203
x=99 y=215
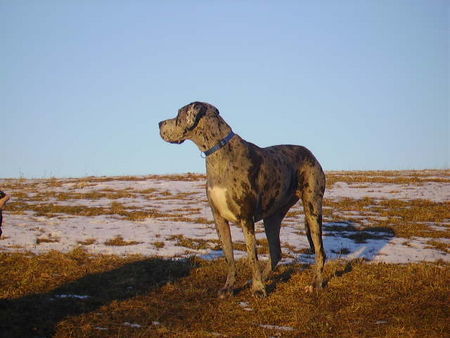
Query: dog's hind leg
x=223 y=231
x=312 y=205
x=272 y=228
x=308 y=235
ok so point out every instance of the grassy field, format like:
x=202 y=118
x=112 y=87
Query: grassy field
x=80 y=295
x=83 y=293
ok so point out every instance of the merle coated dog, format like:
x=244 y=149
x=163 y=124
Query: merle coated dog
x=246 y=183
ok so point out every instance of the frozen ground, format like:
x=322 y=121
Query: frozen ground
x=175 y=219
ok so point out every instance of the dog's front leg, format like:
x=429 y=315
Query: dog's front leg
x=224 y=233
x=258 y=287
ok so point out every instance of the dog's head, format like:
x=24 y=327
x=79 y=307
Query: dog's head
x=185 y=124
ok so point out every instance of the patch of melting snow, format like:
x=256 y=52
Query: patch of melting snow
x=101 y=328
x=212 y=255
x=71 y=296
x=276 y=327
x=440 y=227
x=245 y=306
x=137 y=326
x=435 y=191
x=339 y=243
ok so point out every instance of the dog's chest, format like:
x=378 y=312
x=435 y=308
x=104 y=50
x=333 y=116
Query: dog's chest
x=219 y=200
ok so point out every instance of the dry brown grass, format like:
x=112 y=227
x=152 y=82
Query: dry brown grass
x=117 y=208
x=198 y=220
x=262 y=245
x=119 y=241
x=88 y=241
x=49 y=239
x=189 y=177
x=389 y=177
x=109 y=194
x=159 y=244
x=178 y=298
x=439 y=245
x=55 y=210
x=195 y=243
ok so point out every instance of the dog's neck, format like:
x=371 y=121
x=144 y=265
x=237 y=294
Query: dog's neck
x=219 y=163
x=208 y=138
x=222 y=143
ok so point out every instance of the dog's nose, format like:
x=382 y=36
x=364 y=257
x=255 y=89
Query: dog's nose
x=160 y=124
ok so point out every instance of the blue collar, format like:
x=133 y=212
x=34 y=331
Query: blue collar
x=221 y=144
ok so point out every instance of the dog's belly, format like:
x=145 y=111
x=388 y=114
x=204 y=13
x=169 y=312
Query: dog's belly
x=218 y=197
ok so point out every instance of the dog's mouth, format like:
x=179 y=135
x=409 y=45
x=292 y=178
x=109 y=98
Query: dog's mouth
x=176 y=142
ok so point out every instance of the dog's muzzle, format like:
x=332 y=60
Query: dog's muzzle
x=162 y=132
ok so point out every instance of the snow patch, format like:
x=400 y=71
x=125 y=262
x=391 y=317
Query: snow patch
x=277 y=327
x=183 y=203
x=69 y=296
x=132 y=325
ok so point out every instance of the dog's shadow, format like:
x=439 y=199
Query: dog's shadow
x=342 y=240
x=275 y=278
x=38 y=314
x=283 y=277
x=348 y=240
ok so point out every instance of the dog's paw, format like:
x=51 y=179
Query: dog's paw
x=315 y=285
x=260 y=293
x=259 y=290
x=309 y=289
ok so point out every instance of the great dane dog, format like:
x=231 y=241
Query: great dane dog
x=246 y=183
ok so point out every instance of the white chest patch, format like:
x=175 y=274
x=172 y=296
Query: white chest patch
x=219 y=199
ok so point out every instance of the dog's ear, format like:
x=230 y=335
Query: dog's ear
x=200 y=107
x=214 y=110
x=209 y=108
x=190 y=116
x=195 y=111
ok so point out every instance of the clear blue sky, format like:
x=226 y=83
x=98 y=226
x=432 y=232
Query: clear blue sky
x=83 y=84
